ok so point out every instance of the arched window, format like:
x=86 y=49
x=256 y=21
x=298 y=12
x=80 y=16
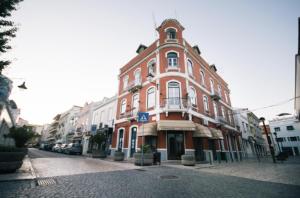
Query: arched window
x=120 y=140
x=123 y=106
x=226 y=97
x=135 y=103
x=125 y=82
x=151 y=68
x=190 y=67
x=223 y=112
x=229 y=116
x=205 y=103
x=215 y=109
x=151 y=98
x=171 y=33
x=202 y=78
x=193 y=96
x=172 y=59
x=137 y=76
x=212 y=90
x=173 y=95
x=220 y=91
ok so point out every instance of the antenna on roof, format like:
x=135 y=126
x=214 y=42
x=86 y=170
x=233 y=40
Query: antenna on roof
x=155 y=26
x=176 y=16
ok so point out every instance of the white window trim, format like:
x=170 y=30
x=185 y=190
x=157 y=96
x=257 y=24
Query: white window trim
x=154 y=97
x=166 y=29
x=117 y=145
x=124 y=99
x=180 y=89
x=129 y=139
x=125 y=78
x=170 y=51
x=149 y=63
x=205 y=96
x=132 y=101
x=190 y=74
x=192 y=88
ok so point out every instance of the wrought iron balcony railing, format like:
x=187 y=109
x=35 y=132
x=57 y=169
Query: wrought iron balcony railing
x=175 y=103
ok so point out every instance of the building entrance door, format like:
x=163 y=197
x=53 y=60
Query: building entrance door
x=199 y=153
x=133 y=141
x=212 y=146
x=175 y=145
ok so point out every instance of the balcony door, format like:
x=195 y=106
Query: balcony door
x=173 y=95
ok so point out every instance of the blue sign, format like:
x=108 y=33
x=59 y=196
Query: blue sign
x=143 y=117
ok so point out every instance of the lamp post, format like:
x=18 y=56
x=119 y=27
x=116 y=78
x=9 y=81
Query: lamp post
x=262 y=119
x=277 y=142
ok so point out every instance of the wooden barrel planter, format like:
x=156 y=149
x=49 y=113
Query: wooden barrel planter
x=188 y=160
x=148 y=159
x=119 y=156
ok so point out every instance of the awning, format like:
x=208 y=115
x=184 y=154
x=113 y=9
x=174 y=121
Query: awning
x=149 y=129
x=216 y=133
x=202 y=131
x=175 y=125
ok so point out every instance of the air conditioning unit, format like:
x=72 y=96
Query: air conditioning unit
x=205 y=122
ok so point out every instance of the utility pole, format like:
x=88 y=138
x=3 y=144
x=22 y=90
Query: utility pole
x=262 y=119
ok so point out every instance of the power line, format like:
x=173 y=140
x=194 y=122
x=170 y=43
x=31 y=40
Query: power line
x=270 y=106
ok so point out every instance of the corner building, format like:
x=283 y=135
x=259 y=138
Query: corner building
x=188 y=102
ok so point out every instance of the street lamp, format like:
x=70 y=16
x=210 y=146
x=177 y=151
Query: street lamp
x=262 y=119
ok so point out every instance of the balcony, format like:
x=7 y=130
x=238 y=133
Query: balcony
x=134 y=86
x=221 y=120
x=175 y=105
x=131 y=114
x=215 y=96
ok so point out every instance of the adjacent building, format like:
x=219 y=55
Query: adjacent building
x=253 y=143
x=187 y=100
x=286 y=134
x=67 y=125
x=103 y=120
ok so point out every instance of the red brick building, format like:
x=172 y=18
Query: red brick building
x=188 y=102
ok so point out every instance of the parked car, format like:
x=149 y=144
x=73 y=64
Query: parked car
x=62 y=148
x=56 y=147
x=73 y=148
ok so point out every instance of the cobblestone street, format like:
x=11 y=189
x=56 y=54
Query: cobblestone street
x=98 y=178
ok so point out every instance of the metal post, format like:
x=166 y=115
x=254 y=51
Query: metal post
x=142 y=162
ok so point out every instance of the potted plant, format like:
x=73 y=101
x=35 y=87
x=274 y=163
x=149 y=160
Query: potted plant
x=119 y=155
x=98 y=150
x=188 y=160
x=11 y=158
x=147 y=156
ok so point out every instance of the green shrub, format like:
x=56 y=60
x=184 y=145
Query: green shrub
x=21 y=135
x=145 y=148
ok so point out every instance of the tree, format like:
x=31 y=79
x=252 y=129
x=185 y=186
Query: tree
x=21 y=135
x=7 y=28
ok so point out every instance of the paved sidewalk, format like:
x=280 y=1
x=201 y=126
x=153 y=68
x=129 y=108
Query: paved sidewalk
x=287 y=172
x=26 y=172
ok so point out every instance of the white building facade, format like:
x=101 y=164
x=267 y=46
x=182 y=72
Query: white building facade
x=287 y=130
x=253 y=144
x=103 y=117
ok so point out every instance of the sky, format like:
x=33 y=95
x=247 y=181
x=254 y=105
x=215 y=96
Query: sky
x=70 y=51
